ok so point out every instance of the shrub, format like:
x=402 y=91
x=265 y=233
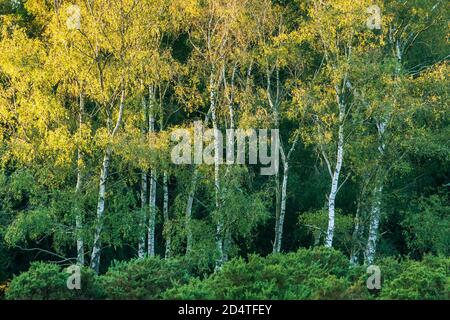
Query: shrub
x=143 y=279
x=428 y=279
x=46 y=281
x=307 y=274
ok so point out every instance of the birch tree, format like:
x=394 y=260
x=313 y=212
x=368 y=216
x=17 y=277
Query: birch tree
x=211 y=36
x=405 y=23
x=337 y=45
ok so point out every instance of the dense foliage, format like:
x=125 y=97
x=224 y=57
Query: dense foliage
x=307 y=274
x=354 y=95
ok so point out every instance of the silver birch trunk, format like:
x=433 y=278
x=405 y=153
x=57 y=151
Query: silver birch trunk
x=188 y=215
x=153 y=180
x=280 y=223
x=143 y=217
x=219 y=226
x=282 y=211
x=356 y=237
x=152 y=215
x=273 y=103
x=335 y=177
x=78 y=217
x=277 y=210
x=144 y=187
x=227 y=241
x=190 y=200
x=96 y=247
x=375 y=216
x=167 y=230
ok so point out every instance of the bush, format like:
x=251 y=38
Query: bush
x=319 y=273
x=307 y=274
x=46 y=281
x=411 y=280
x=144 y=279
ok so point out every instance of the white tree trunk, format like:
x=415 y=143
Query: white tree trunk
x=78 y=217
x=188 y=215
x=282 y=211
x=356 y=237
x=280 y=223
x=375 y=216
x=143 y=217
x=167 y=230
x=335 y=178
x=190 y=202
x=96 y=247
x=152 y=214
x=144 y=187
x=217 y=152
x=153 y=180
x=227 y=240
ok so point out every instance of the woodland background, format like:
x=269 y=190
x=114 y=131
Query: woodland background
x=86 y=115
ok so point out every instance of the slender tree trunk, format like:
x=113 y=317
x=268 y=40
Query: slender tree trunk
x=219 y=226
x=96 y=247
x=144 y=187
x=274 y=106
x=167 y=230
x=375 y=216
x=167 y=227
x=190 y=200
x=283 y=200
x=227 y=240
x=378 y=192
x=143 y=217
x=79 y=218
x=152 y=215
x=277 y=211
x=356 y=237
x=375 y=213
x=280 y=222
x=153 y=180
x=335 y=178
x=188 y=215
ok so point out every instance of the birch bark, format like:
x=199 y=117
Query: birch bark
x=188 y=214
x=280 y=225
x=144 y=187
x=79 y=218
x=217 y=152
x=153 y=182
x=166 y=213
x=96 y=247
x=375 y=214
x=336 y=173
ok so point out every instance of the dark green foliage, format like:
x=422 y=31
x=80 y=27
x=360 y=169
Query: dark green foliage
x=319 y=274
x=46 y=281
x=428 y=279
x=143 y=279
x=430 y=213
x=306 y=274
